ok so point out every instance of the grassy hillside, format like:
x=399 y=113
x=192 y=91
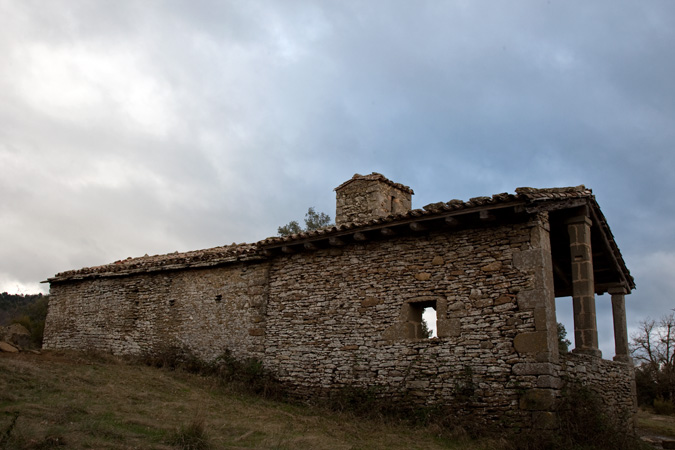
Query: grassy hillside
x=69 y=400
x=76 y=401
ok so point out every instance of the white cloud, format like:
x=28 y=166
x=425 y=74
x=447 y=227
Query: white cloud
x=85 y=83
x=146 y=127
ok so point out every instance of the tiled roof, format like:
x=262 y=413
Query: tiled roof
x=526 y=194
x=375 y=177
x=248 y=252
x=176 y=260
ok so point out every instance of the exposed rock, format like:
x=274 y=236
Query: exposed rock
x=6 y=347
x=16 y=334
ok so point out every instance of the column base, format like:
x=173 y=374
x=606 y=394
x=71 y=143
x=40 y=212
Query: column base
x=624 y=359
x=588 y=351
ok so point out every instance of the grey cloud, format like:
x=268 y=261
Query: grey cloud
x=129 y=128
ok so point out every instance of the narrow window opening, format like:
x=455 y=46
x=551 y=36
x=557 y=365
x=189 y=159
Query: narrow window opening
x=429 y=322
x=565 y=315
x=421 y=319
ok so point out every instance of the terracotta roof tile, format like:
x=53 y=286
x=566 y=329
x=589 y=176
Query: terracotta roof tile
x=373 y=177
x=241 y=252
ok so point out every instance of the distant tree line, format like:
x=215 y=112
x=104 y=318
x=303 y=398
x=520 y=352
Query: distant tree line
x=29 y=310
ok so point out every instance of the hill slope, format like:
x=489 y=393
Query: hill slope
x=100 y=402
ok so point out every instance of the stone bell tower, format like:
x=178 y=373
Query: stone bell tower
x=366 y=197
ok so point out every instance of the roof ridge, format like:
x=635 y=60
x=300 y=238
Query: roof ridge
x=375 y=176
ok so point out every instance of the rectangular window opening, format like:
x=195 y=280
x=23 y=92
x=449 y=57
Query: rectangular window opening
x=429 y=322
x=422 y=321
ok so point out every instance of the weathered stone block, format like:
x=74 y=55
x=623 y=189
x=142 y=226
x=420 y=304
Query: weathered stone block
x=538 y=400
x=549 y=381
x=531 y=342
x=503 y=299
x=492 y=267
x=448 y=328
x=370 y=301
x=528 y=259
x=529 y=299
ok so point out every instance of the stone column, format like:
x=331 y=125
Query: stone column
x=583 y=286
x=620 y=330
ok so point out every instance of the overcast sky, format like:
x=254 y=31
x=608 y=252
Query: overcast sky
x=133 y=127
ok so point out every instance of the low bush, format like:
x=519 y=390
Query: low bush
x=246 y=375
x=191 y=437
x=33 y=319
x=663 y=407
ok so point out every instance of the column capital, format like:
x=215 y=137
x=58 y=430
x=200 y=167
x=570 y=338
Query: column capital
x=576 y=220
x=617 y=290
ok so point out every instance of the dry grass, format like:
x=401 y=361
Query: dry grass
x=657 y=424
x=87 y=401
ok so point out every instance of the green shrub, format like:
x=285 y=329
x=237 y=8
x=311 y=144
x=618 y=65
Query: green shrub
x=247 y=375
x=33 y=319
x=191 y=437
x=663 y=407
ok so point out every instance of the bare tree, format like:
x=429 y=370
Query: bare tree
x=653 y=347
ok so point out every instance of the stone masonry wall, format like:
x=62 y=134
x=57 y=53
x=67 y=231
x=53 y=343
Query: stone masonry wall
x=207 y=310
x=338 y=317
x=612 y=381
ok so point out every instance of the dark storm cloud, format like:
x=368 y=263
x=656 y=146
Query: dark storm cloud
x=148 y=127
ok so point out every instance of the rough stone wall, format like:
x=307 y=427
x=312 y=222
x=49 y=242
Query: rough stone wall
x=207 y=310
x=338 y=317
x=612 y=381
x=362 y=200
